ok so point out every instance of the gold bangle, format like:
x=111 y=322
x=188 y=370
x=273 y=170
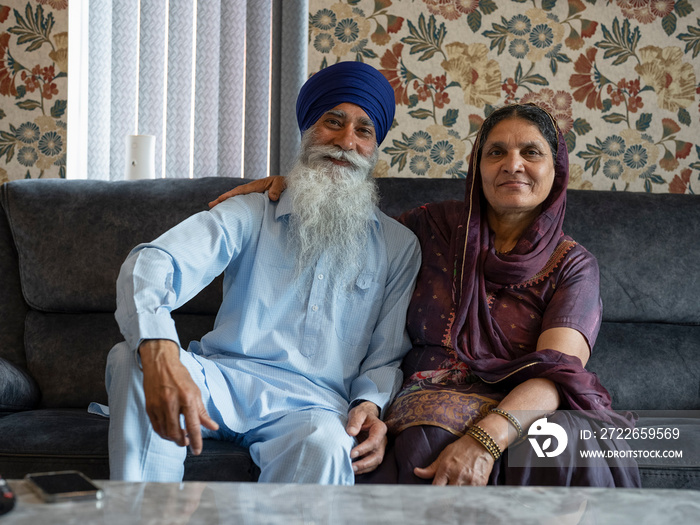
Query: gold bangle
x=483 y=437
x=510 y=417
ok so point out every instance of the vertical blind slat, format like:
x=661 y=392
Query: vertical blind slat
x=257 y=94
x=123 y=101
x=206 y=114
x=231 y=89
x=151 y=74
x=179 y=110
x=100 y=93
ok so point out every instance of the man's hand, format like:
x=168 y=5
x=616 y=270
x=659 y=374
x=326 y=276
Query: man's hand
x=170 y=391
x=464 y=462
x=364 y=423
x=274 y=185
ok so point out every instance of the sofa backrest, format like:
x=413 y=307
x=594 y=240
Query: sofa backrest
x=64 y=241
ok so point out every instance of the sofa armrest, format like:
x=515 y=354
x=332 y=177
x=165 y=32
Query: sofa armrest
x=18 y=390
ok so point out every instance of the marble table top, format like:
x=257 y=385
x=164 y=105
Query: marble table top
x=278 y=504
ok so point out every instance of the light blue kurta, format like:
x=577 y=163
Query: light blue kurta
x=280 y=349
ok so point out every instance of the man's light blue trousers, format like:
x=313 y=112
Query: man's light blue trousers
x=307 y=446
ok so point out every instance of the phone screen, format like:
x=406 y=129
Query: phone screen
x=64 y=485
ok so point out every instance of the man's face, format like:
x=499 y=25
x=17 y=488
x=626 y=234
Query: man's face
x=348 y=128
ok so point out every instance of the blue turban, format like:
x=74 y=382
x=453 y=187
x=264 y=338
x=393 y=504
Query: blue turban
x=352 y=82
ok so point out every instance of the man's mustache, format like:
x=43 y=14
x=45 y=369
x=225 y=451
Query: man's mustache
x=355 y=159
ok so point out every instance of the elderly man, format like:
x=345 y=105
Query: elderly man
x=305 y=351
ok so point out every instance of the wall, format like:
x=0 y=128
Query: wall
x=33 y=88
x=621 y=77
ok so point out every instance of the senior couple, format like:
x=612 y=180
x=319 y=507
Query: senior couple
x=340 y=352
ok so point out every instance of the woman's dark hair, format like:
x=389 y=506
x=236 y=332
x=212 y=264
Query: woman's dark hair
x=530 y=112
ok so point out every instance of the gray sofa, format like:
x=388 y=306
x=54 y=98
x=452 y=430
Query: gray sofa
x=62 y=243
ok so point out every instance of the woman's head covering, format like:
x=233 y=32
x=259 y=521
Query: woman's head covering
x=538 y=242
x=476 y=260
x=353 y=82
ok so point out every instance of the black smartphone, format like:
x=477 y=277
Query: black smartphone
x=7 y=497
x=67 y=485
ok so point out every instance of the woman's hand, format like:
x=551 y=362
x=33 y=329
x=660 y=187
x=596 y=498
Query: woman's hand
x=274 y=185
x=464 y=462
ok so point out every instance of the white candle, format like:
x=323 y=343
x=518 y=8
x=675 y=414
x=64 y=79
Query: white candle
x=140 y=157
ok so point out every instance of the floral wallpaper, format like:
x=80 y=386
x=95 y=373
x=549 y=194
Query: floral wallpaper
x=622 y=77
x=33 y=88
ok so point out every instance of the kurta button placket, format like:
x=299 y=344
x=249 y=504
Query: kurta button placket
x=314 y=325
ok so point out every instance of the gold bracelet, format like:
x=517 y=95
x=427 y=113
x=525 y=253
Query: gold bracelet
x=510 y=417
x=485 y=439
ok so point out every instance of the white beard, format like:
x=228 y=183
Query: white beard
x=332 y=209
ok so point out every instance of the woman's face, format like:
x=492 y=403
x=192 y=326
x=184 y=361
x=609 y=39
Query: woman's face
x=517 y=168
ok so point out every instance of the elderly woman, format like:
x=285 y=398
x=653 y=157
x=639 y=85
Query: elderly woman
x=503 y=318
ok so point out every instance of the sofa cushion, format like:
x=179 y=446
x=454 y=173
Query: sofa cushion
x=12 y=305
x=59 y=439
x=649 y=366
x=680 y=431
x=398 y=195
x=647 y=249
x=18 y=391
x=67 y=353
x=72 y=238
x=671 y=471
